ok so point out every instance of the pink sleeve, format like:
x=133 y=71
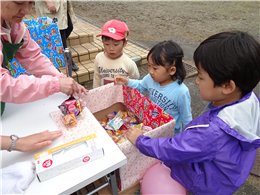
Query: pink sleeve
x=28 y=88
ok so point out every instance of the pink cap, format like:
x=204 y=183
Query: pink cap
x=115 y=29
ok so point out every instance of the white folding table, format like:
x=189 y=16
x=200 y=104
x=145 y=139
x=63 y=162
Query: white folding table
x=29 y=118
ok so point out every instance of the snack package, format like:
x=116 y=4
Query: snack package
x=70 y=120
x=71 y=108
x=116 y=122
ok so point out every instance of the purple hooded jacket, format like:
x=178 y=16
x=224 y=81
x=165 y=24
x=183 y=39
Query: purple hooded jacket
x=216 y=151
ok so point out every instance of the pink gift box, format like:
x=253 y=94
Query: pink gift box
x=108 y=98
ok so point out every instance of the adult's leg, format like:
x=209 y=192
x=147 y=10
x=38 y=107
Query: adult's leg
x=70 y=26
x=65 y=33
x=63 y=38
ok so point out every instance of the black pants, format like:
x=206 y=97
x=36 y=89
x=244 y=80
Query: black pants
x=65 y=33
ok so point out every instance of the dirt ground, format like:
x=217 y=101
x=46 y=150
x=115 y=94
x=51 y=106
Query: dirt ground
x=187 y=23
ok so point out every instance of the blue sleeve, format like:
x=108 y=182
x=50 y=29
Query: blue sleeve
x=188 y=146
x=185 y=107
x=140 y=85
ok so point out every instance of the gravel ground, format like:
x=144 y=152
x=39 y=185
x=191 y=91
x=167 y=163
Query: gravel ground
x=188 y=23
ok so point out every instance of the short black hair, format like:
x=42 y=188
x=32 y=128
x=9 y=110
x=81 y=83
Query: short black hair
x=167 y=54
x=106 y=38
x=229 y=56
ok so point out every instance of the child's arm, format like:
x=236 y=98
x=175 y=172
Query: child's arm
x=140 y=85
x=185 y=108
x=133 y=71
x=96 y=77
x=184 y=147
x=133 y=83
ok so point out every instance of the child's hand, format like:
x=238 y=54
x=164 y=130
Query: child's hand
x=133 y=133
x=120 y=80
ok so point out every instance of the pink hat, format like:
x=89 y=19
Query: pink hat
x=115 y=29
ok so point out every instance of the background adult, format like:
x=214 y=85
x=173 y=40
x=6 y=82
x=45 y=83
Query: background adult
x=63 y=11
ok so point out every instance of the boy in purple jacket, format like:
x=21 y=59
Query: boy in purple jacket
x=216 y=151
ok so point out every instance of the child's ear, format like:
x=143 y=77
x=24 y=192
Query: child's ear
x=172 y=70
x=229 y=87
x=125 y=42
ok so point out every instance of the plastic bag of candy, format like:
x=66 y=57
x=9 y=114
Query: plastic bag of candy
x=70 y=109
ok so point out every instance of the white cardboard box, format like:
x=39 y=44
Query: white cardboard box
x=62 y=158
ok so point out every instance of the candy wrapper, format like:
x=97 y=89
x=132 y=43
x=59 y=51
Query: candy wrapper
x=117 y=124
x=117 y=121
x=71 y=108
